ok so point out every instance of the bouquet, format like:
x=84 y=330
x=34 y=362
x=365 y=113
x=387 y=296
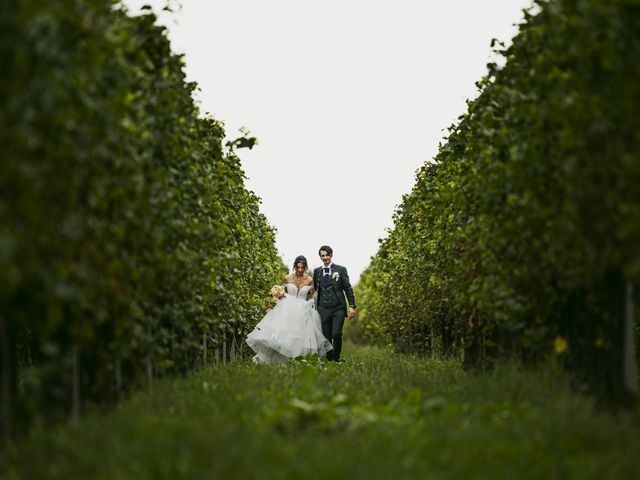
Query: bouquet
x=277 y=292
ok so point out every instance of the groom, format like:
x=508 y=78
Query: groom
x=331 y=283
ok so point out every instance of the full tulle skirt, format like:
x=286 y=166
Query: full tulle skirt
x=289 y=330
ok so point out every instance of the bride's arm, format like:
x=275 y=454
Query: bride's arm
x=312 y=293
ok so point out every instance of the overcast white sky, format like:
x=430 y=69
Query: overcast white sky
x=347 y=98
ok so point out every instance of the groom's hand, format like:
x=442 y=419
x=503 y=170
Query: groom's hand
x=352 y=312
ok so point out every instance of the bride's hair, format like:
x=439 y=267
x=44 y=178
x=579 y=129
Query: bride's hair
x=300 y=259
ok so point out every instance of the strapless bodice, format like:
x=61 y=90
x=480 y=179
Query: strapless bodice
x=292 y=290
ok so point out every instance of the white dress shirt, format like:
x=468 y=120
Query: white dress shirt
x=327 y=266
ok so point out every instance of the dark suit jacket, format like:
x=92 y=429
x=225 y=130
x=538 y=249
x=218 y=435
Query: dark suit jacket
x=343 y=286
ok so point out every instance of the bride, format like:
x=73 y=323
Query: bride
x=292 y=328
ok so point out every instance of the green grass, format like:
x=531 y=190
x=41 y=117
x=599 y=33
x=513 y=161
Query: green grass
x=378 y=416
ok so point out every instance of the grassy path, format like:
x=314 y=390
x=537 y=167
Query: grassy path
x=377 y=416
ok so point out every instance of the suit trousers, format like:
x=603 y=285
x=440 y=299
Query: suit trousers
x=332 y=320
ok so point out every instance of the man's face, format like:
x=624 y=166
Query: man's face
x=325 y=257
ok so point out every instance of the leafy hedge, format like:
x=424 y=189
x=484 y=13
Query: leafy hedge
x=523 y=235
x=129 y=245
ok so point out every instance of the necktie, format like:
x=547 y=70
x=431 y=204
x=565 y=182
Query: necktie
x=326 y=270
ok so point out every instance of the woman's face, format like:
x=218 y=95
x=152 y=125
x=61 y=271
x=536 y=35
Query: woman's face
x=300 y=269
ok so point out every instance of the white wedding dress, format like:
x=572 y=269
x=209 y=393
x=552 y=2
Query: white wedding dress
x=290 y=329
